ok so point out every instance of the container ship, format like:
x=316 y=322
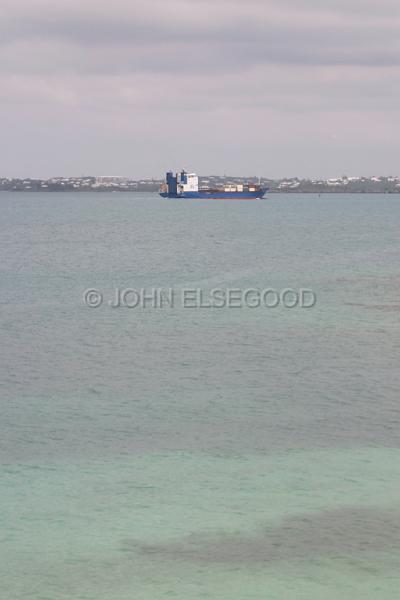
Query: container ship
x=186 y=185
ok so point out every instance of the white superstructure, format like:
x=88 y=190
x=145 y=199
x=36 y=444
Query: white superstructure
x=187 y=182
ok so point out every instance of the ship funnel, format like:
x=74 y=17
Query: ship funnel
x=172 y=183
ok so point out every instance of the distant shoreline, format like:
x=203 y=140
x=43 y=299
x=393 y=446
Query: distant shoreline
x=341 y=185
x=275 y=192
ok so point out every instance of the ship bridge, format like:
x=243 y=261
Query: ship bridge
x=187 y=182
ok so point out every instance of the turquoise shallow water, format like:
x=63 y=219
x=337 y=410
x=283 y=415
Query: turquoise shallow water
x=209 y=453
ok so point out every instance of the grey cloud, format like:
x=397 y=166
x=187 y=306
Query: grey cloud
x=302 y=67
x=118 y=49
x=265 y=33
x=361 y=8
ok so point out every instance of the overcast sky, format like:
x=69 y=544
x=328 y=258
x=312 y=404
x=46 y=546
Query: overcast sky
x=263 y=87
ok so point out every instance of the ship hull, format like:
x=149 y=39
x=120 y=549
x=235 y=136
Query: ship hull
x=218 y=195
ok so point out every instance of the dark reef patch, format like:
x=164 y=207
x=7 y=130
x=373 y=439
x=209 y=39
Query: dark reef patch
x=335 y=533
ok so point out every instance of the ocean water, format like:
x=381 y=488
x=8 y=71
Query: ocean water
x=234 y=453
